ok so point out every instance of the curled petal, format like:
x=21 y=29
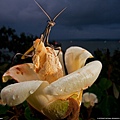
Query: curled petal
x=52 y=68
x=60 y=56
x=46 y=62
x=80 y=79
x=17 y=93
x=23 y=72
x=75 y=58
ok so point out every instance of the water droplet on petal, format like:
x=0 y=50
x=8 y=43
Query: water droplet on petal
x=13 y=97
x=31 y=91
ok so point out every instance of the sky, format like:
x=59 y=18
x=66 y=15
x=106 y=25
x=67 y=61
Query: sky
x=83 y=19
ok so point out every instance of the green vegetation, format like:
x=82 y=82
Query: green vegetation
x=107 y=86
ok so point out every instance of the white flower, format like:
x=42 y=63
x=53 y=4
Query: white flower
x=43 y=82
x=89 y=99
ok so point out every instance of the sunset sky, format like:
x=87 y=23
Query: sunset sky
x=81 y=19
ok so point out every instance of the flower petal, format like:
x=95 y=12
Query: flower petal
x=17 y=93
x=86 y=97
x=38 y=100
x=60 y=56
x=75 y=81
x=75 y=58
x=23 y=72
x=46 y=63
x=93 y=98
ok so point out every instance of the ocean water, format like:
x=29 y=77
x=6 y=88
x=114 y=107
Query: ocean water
x=92 y=45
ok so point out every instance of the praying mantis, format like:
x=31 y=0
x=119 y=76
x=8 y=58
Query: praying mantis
x=46 y=33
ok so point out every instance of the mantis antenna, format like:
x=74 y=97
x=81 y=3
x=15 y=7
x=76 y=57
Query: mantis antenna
x=43 y=10
x=50 y=24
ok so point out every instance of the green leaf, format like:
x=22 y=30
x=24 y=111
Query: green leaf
x=115 y=91
x=108 y=106
x=104 y=107
x=28 y=114
x=4 y=109
x=96 y=90
x=105 y=84
x=80 y=118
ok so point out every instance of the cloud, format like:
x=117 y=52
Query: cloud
x=82 y=18
x=94 y=12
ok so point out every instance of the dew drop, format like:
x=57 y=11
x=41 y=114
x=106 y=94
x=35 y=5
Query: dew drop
x=13 y=97
x=61 y=90
x=31 y=91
